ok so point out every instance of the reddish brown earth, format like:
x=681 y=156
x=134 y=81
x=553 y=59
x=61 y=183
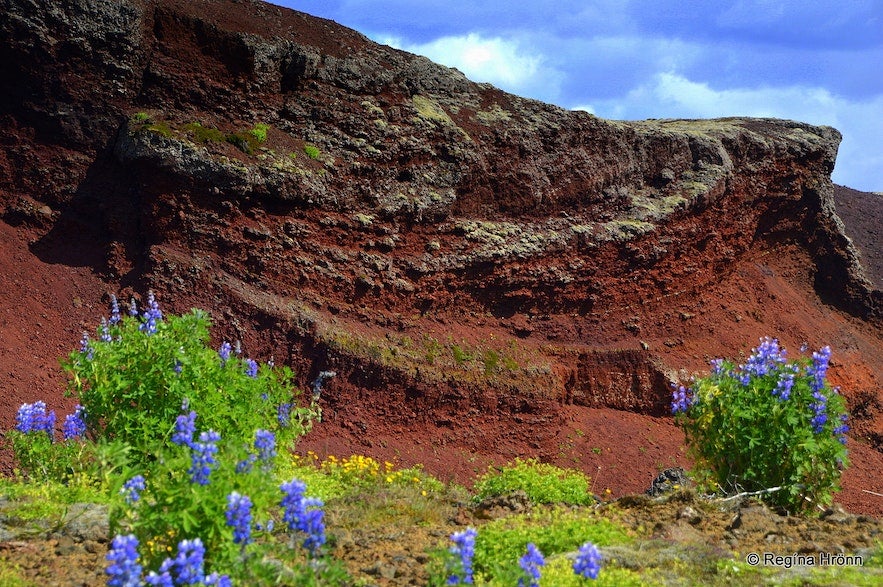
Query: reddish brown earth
x=490 y=277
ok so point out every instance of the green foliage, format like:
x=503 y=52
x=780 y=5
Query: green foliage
x=259 y=132
x=41 y=459
x=542 y=482
x=135 y=383
x=312 y=151
x=205 y=134
x=770 y=423
x=491 y=360
x=554 y=531
x=140 y=117
x=460 y=356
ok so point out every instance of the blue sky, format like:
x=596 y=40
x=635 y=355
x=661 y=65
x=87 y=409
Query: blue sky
x=817 y=61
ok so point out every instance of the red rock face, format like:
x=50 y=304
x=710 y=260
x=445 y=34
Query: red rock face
x=489 y=276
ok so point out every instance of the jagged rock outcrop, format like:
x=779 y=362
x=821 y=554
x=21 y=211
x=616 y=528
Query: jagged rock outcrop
x=464 y=251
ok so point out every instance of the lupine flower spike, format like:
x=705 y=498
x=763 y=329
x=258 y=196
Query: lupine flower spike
x=464 y=550
x=588 y=561
x=530 y=563
x=124 y=570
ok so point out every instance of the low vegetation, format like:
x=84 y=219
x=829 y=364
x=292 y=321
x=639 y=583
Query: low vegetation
x=191 y=448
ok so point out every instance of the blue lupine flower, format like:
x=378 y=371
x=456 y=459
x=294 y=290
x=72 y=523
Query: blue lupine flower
x=283 y=414
x=680 y=400
x=841 y=430
x=530 y=563
x=588 y=561
x=820 y=415
x=764 y=359
x=124 y=569
x=224 y=351
x=188 y=567
x=215 y=580
x=133 y=307
x=185 y=426
x=34 y=418
x=86 y=347
x=239 y=517
x=159 y=580
x=246 y=464
x=74 y=425
x=265 y=444
x=179 y=366
x=819 y=368
x=717 y=366
x=202 y=457
x=464 y=550
x=251 y=368
x=105 y=331
x=151 y=315
x=132 y=489
x=114 y=310
x=784 y=385
x=298 y=516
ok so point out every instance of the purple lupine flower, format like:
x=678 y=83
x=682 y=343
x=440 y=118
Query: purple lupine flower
x=216 y=580
x=588 y=561
x=680 y=400
x=820 y=415
x=185 y=426
x=133 y=307
x=151 y=315
x=464 y=550
x=819 y=368
x=298 y=515
x=34 y=418
x=251 y=368
x=114 y=310
x=717 y=366
x=179 y=366
x=283 y=414
x=530 y=563
x=245 y=465
x=784 y=385
x=188 y=567
x=104 y=329
x=224 y=352
x=764 y=359
x=202 y=457
x=124 y=569
x=265 y=444
x=842 y=429
x=239 y=517
x=132 y=489
x=159 y=580
x=86 y=347
x=74 y=424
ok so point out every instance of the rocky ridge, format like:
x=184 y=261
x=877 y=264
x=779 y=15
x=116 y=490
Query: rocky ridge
x=481 y=270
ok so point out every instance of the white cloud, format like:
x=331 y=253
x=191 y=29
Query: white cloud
x=507 y=64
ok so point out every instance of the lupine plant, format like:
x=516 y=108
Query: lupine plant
x=530 y=563
x=133 y=378
x=588 y=561
x=463 y=551
x=34 y=442
x=770 y=425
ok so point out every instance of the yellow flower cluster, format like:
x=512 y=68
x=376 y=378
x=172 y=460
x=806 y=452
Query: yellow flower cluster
x=359 y=468
x=160 y=544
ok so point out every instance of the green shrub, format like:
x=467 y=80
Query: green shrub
x=312 y=151
x=500 y=543
x=139 y=373
x=771 y=425
x=543 y=483
x=205 y=134
x=259 y=132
